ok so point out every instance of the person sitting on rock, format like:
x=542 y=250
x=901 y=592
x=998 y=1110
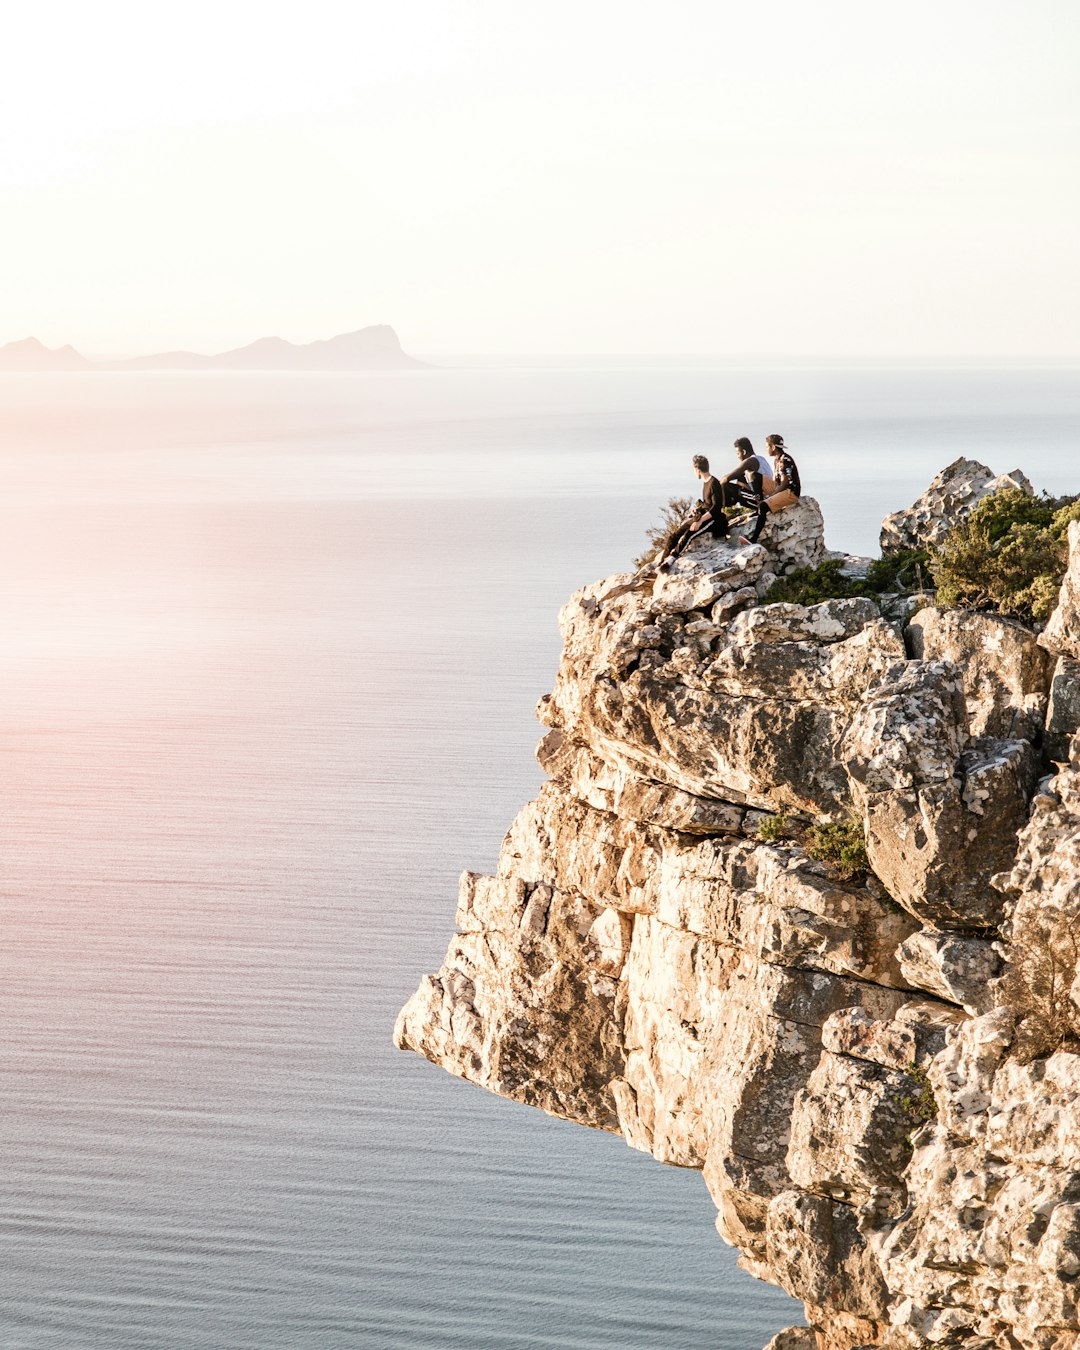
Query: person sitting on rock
x=785 y=476
x=749 y=484
x=708 y=515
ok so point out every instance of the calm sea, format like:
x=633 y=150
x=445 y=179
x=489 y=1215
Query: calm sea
x=269 y=649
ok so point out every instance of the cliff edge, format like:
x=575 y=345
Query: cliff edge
x=879 y=1076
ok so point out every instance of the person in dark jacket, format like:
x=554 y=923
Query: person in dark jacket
x=707 y=515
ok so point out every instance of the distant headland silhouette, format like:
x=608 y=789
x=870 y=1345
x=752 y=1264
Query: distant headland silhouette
x=373 y=348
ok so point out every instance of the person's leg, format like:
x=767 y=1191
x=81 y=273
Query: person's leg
x=676 y=541
x=762 y=513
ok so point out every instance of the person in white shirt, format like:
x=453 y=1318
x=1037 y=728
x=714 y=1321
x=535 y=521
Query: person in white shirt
x=750 y=483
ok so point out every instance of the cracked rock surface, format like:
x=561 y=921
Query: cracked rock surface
x=878 y=1076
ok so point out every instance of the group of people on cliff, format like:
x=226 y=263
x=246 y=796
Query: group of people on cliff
x=756 y=484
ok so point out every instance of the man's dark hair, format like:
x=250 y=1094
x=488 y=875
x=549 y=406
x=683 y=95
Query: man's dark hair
x=743 y=446
x=700 y=462
x=776 y=440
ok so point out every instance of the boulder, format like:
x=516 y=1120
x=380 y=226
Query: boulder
x=830 y=621
x=793 y=1338
x=700 y=577
x=940 y=819
x=956 y=968
x=850 y=1128
x=795 y=536
x=912 y=1038
x=816 y=1252
x=945 y=504
x=1005 y=672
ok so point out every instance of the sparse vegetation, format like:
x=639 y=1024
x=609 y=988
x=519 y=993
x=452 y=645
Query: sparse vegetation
x=773 y=829
x=922 y=1107
x=903 y=573
x=672 y=516
x=842 y=843
x=1009 y=556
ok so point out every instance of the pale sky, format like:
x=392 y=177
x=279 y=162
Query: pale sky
x=573 y=176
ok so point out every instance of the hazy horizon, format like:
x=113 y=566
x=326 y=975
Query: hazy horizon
x=594 y=178
x=727 y=360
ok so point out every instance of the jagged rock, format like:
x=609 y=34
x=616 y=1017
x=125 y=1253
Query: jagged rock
x=1005 y=673
x=850 y=1128
x=853 y=565
x=1043 y=974
x=610 y=788
x=729 y=605
x=878 y=1080
x=958 y=969
x=793 y=1338
x=699 y=578
x=1062 y=633
x=1063 y=709
x=526 y=1003
x=758 y=722
x=913 y=1037
x=815 y=1251
x=830 y=621
x=940 y=820
x=946 y=503
x=795 y=537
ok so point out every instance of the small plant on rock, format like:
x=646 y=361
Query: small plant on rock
x=672 y=516
x=773 y=829
x=922 y=1106
x=842 y=843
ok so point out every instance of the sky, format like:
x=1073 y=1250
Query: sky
x=508 y=177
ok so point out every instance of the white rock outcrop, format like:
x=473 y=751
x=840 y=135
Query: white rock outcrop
x=878 y=1076
x=946 y=502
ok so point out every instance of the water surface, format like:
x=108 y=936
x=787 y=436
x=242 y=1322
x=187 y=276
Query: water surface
x=270 y=652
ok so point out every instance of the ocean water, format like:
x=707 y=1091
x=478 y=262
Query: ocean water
x=269 y=649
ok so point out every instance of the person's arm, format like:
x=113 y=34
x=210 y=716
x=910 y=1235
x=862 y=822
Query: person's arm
x=746 y=466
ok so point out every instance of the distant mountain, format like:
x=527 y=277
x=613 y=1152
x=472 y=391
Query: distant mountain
x=374 y=348
x=30 y=354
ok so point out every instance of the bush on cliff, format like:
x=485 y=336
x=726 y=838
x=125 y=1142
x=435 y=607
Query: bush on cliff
x=1009 y=556
x=672 y=516
x=841 y=843
x=903 y=572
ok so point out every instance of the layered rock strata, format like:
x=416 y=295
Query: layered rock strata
x=878 y=1077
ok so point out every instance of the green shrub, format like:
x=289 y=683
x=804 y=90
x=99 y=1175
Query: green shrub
x=774 y=828
x=923 y=1106
x=903 y=572
x=1008 y=557
x=671 y=517
x=841 y=843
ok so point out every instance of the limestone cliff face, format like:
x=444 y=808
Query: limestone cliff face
x=879 y=1079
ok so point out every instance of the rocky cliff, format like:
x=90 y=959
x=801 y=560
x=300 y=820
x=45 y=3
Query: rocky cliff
x=878 y=1076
